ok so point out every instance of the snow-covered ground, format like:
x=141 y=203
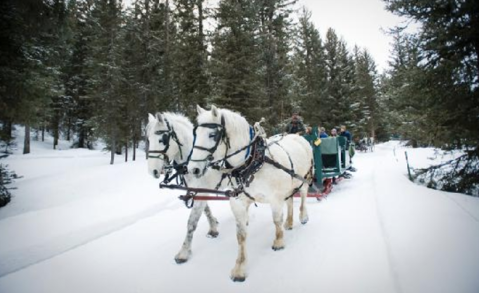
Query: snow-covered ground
x=78 y=224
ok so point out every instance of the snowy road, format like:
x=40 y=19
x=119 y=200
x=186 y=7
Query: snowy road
x=101 y=228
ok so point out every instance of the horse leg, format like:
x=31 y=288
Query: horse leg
x=277 y=209
x=288 y=225
x=240 y=211
x=303 y=212
x=185 y=251
x=213 y=232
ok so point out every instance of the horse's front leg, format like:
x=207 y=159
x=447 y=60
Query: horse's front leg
x=277 y=209
x=185 y=251
x=288 y=225
x=240 y=211
x=213 y=232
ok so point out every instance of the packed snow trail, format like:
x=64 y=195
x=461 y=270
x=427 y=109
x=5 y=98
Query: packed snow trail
x=110 y=229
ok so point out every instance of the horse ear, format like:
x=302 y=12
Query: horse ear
x=151 y=118
x=159 y=117
x=199 y=109
x=214 y=110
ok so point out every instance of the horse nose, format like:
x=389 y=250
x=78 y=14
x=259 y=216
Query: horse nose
x=196 y=171
x=156 y=173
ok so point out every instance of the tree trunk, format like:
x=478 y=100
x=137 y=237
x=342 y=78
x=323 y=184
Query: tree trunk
x=26 y=143
x=113 y=149
x=134 y=148
x=81 y=137
x=126 y=151
x=68 y=129
x=43 y=133
x=55 y=137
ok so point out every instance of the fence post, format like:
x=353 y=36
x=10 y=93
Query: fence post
x=408 y=169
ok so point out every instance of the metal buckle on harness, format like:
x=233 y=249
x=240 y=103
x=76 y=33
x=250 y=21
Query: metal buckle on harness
x=188 y=198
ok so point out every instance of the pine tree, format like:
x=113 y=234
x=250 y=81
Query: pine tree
x=77 y=78
x=106 y=64
x=274 y=47
x=28 y=78
x=234 y=61
x=435 y=93
x=366 y=103
x=340 y=79
x=448 y=50
x=190 y=55
x=310 y=71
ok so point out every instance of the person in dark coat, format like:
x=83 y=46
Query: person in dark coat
x=345 y=133
x=295 y=125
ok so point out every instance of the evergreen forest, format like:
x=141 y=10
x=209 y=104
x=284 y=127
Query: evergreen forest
x=85 y=70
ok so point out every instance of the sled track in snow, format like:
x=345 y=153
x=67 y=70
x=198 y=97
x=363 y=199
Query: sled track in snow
x=17 y=260
x=463 y=208
x=384 y=235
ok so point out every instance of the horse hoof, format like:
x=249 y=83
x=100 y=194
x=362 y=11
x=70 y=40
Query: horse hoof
x=305 y=220
x=288 y=227
x=180 y=260
x=276 y=248
x=238 y=279
x=212 y=234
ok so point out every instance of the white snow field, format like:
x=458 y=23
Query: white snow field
x=78 y=224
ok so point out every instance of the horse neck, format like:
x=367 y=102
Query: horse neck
x=185 y=137
x=238 y=139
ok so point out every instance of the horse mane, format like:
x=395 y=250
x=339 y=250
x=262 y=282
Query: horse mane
x=235 y=123
x=178 y=118
x=174 y=119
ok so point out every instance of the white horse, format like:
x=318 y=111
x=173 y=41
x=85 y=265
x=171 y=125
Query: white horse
x=224 y=134
x=170 y=140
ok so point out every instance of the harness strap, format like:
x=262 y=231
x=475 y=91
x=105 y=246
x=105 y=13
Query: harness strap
x=294 y=191
x=289 y=157
x=251 y=135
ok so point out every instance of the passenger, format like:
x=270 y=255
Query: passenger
x=345 y=133
x=349 y=146
x=295 y=125
x=322 y=132
x=309 y=130
x=334 y=132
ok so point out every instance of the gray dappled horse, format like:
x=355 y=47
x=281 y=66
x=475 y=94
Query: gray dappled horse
x=223 y=137
x=170 y=138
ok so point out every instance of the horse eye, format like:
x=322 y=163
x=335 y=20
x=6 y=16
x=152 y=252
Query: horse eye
x=213 y=135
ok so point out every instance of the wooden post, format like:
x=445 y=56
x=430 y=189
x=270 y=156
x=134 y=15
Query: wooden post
x=408 y=169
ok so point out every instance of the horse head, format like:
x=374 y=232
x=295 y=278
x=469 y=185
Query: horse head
x=165 y=144
x=219 y=133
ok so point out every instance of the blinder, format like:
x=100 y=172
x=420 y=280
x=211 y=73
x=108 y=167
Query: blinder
x=218 y=136
x=165 y=136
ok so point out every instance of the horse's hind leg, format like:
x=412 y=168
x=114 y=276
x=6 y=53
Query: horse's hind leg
x=288 y=225
x=185 y=251
x=277 y=209
x=303 y=212
x=240 y=211
x=213 y=232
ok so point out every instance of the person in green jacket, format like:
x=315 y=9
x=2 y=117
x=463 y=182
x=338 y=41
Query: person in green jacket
x=295 y=125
